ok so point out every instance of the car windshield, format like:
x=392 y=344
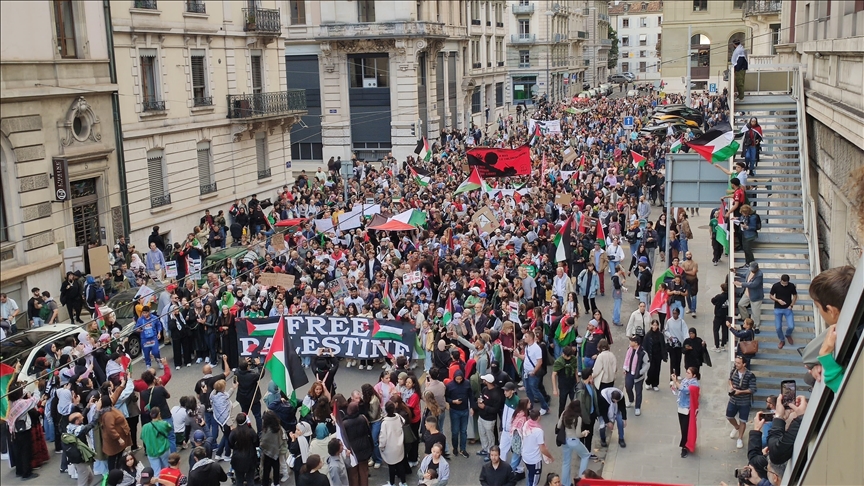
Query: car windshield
x=18 y=346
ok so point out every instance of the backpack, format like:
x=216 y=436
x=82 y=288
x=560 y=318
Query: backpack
x=45 y=312
x=77 y=452
x=758 y=222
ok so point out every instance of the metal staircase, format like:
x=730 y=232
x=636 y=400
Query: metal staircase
x=787 y=241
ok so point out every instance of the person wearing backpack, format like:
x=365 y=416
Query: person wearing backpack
x=78 y=453
x=154 y=435
x=49 y=310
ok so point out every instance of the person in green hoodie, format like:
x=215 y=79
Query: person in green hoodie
x=155 y=437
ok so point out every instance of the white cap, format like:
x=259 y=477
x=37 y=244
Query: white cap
x=488 y=378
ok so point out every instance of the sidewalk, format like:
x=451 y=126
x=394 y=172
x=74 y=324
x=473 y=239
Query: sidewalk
x=652 y=452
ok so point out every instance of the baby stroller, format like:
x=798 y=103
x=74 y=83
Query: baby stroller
x=257 y=476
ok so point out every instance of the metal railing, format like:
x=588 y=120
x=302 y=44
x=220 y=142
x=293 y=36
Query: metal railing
x=761 y=60
x=761 y=7
x=263 y=174
x=603 y=17
x=207 y=188
x=523 y=9
x=581 y=34
x=265 y=20
x=152 y=105
x=523 y=38
x=145 y=4
x=267 y=104
x=202 y=101
x=195 y=6
x=605 y=42
x=159 y=201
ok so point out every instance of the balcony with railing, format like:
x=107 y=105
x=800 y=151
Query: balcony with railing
x=262 y=20
x=520 y=9
x=152 y=104
x=207 y=188
x=762 y=7
x=605 y=42
x=159 y=201
x=145 y=4
x=581 y=34
x=523 y=38
x=264 y=173
x=389 y=29
x=195 y=6
x=603 y=18
x=259 y=105
x=202 y=101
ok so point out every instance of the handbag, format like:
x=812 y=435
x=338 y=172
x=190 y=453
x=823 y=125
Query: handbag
x=410 y=436
x=749 y=347
x=516 y=443
x=560 y=436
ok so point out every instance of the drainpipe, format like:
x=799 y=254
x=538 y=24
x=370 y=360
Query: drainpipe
x=118 y=128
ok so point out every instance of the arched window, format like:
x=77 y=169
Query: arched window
x=737 y=35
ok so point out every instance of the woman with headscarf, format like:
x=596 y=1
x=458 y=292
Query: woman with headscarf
x=299 y=447
x=244 y=442
x=694 y=348
x=136 y=265
x=441 y=356
x=228 y=333
x=320 y=440
x=357 y=435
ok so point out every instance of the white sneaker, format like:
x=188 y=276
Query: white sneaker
x=350 y=364
x=377 y=465
x=161 y=366
x=198 y=361
x=647 y=386
x=734 y=434
x=73 y=473
x=176 y=367
x=638 y=412
x=217 y=458
x=739 y=444
x=188 y=364
x=630 y=405
x=207 y=359
x=656 y=389
x=543 y=411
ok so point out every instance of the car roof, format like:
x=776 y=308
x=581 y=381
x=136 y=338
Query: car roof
x=20 y=345
x=226 y=253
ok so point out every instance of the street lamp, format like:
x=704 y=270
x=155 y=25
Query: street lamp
x=549 y=13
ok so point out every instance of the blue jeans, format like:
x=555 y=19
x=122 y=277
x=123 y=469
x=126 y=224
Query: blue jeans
x=617 y=297
x=211 y=347
x=620 y=424
x=172 y=444
x=532 y=389
x=684 y=245
x=613 y=267
x=646 y=298
x=514 y=461
x=676 y=305
x=750 y=157
x=778 y=323
x=691 y=302
x=376 y=452
x=459 y=429
x=148 y=350
x=573 y=446
x=211 y=428
x=224 y=446
x=158 y=463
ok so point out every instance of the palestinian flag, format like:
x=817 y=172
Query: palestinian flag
x=582 y=163
x=638 y=159
x=284 y=365
x=473 y=183
x=421 y=177
x=660 y=298
x=601 y=235
x=566 y=334
x=562 y=241
x=667 y=275
x=100 y=319
x=263 y=330
x=497 y=353
x=537 y=133
x=717 y=144
x=722 y=233
x=486 y=186
x=419 y=351
x=422 y=150
x=675 y=147
x=448 y=312
x=386 y=332
x=385 y=298
x=6 y=374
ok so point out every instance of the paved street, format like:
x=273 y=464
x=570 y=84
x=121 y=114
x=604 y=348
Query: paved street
x=652 y=452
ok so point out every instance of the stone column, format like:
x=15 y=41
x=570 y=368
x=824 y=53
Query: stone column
x=335 y=111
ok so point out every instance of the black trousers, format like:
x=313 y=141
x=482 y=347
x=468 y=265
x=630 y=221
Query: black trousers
x=717 y=249
x=268 y=465
x=589 y=303
x=684 y=422
x=399 y=469
x=721 y=332
x=675 y=361
x=133 y=430
x=653 y=378
x=182 y=350
x=23 y=443
x=566 y=390
x=588 y=439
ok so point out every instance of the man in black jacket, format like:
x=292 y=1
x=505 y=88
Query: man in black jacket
x=459 y=396
x=489 y=405
x=781 y=440
x=588 y=396
x=496 y=472
x=205 y=471
x=248 y=392
x=155 y=237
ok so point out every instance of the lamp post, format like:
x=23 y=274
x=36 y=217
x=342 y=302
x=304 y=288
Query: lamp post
x=549 y=13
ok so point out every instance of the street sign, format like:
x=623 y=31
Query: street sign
x=629 y=123
x=60 y=169
x=712 y=88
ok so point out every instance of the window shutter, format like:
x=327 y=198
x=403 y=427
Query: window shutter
x=256 y=74
x=155 y=174
x=199 y=80
x=261 y=151
x=205 y=174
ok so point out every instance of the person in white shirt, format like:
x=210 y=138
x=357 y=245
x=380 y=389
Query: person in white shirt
x=561 y=284
x=532 y=360
x=640 y=321
x=353 y=298
x=676 y=333
x=8 y=311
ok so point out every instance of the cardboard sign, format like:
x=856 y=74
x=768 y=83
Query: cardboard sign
x=170 y=269
x=412 y=278
x=563 y=199
x=283 y=280
x=195 y=268
x=99 y=265
x=338 y=288
x=278 y=242
x=485 y=219
x=569 y=155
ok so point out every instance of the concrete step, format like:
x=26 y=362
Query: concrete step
x=770 y=335
x=769 y=143
x=769 y=199
x=772 y=180
x=788 y=354
x=768 y=269
x=771 y=384
x=779 y=152
x=774 y=191
x=803 y=262
x=767 y=137
x=769 y=226
x=767 y=163
x=790 y=209
x=771 y=370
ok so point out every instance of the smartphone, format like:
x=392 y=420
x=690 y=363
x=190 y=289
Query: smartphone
x=768 y=415
x=788 y=390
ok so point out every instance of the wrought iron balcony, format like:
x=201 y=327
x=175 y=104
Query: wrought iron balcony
x=289 y=102
x=523 y=9
x=202 y=101
x=145 y=4
x=476 y=65
x=762 y=7
x=207 y=188
x=262 y=20
x=603 y=18
x=523 y=38
x=152 y=104
x=605 y=42
x=263 y=174
x=195 y=6
x=581 y=34
x=159 y=201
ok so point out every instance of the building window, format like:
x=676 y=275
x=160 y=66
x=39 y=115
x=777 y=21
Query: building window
x=499 y=14
x=475 y=54
x=524 y=87
x=659 y=20
x=369 y=72
x=475 y=100
x=625 y=41
x=643 y=22
x=150 y=81
x=366 y=11
x=85 y=211
x=262 y=155
x=307 y=151
x=643 y=54
x=206 y=175
x=195 y=6
x=65 y=23
x=700 y=5
x=643 y=39
x=524 y=59
x=643 y=66
x=625 y=67
x=737 y=4
x=499 y=94
x=475 y=12
x=298 y=12
x=524 y=28
x=199 y=78
x=625 y=55
x=257 y=78
x=499 y=51
x=489 y=53
x=159 y=194
x=775 y=37
x=625 y=23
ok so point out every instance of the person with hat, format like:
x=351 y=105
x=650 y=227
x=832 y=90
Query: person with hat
x=753 y=295
x=199 y=439
x=489 y=404
x=72 y=296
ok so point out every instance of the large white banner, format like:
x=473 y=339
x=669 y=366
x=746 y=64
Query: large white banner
x=546 y=127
